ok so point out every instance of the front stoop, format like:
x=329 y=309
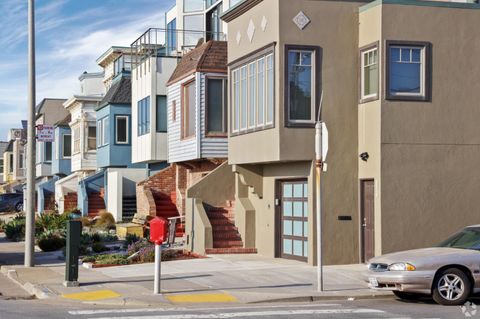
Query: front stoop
x=226 y=238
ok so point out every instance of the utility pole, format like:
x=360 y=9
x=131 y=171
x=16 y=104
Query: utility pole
x=30 y=209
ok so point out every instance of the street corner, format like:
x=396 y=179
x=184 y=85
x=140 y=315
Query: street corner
x=92 y=295
x=202 y=298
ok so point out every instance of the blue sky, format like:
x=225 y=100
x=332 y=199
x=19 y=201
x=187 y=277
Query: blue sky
x=71 y=35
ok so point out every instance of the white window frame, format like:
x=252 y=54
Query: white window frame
x=76 y=138
x=422 y=63
x=126 y=117
x=363 y=67
x=63 y=145
x=261 y=105
x=313 y=88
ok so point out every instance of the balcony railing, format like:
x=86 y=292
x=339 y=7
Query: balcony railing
x=169 y=43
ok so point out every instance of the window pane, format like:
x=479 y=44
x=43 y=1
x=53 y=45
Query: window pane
x=92 y=136
x=189 y=110
x=298 y=209
x=161 y=113
x=193 y=24
x=405 y=77
x=370 y=73
x=99 y=138
x=147 y=114
x=298 y=247
x=252 y=93
x=48 y=151
x=244 y=97
x=172 y=36
x=236 y=100
x=300 y=87
x=106 y=132
x=287 y=246
x=270 y=89
x=287 y=227
x=192 y=5
x=261 y=92
x=287 y=208
x=122 y=128
x=215 y=105
x=395 y=54
x=298 y=190
x=416 y=55
x=287 y=190
x=67 y=145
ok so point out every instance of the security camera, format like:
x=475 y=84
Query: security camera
x=364 y=156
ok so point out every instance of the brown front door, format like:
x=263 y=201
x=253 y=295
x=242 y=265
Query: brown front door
x=367 y=190
x=293 y=221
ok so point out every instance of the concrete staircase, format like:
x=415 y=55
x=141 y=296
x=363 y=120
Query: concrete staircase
x=96 y=203
x=226 y=238
x=129 y=206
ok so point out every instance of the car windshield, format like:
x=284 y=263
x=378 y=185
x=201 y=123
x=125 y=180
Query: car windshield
x=469 y=238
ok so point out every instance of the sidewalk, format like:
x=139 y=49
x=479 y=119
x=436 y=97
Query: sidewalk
x=219 y=278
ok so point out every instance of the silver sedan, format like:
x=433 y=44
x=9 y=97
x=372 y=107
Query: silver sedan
x=450 y=272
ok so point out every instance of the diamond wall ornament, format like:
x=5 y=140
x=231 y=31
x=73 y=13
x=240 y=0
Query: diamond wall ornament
x=264 y=23
x=250 y=30
x=239 y=37
x=301 y=20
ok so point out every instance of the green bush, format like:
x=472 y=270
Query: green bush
x=51 y=222
x=130 y=239
x=98 y=247
x=50 y=241
x=111 y=259
x=15 y=228
x=88 y=259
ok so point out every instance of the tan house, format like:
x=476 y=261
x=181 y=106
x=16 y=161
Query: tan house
x=403 y=133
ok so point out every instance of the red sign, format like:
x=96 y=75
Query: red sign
x=158 y=230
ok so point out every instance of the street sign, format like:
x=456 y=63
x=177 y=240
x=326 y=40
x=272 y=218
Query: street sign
x=324 y=141
x=45 y=133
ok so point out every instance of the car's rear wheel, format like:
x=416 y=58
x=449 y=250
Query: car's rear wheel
x=19 y=207
x=451 y=287
x=405 y=295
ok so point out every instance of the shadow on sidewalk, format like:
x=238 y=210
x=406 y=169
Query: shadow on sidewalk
x=239 y=288
x=140 y=280
x=12 y=253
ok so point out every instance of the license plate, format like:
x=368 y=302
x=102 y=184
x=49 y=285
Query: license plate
x=373 y=282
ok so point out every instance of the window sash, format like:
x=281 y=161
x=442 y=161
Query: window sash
x=312 y=67
x=76 y=140
x=253 y=93
x=91 y=138
x=188 y=109
x=143 y=114
x=48 y=151
x=161 y=118
x=369 y=68
x=406 y=58
x=216 y=124
x=119 y=118
x=66 y=151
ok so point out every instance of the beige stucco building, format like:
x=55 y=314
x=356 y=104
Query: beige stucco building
x=398 y=79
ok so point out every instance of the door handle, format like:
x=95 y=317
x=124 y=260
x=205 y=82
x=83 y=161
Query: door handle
x=364 y=225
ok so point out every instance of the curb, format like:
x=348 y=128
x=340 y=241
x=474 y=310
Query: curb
x=38 y=291
x=323 y=298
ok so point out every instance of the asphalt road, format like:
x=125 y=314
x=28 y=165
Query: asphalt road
x=358 y=309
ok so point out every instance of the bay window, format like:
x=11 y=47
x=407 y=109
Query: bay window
x=253 y=94
x=301 y=81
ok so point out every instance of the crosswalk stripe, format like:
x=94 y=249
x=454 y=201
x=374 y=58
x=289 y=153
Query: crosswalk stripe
x=255 y=314
x=134 y=310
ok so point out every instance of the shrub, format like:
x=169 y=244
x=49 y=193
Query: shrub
x=50 y=241
x=136 y=246
x=111 y=259
x=2 y=225
x=88 y=259
x=146 y=254
x=85 y=221
x=51 y=222
x=96 y=237
x=98 y=247
x=15 y=228
x=130 y=239
x=105 y=220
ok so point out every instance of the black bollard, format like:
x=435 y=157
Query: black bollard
x=74 y=230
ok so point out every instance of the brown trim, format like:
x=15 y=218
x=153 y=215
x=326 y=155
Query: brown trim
x=368 y=47
x=209 y=134
x=361 y=215
x=182 y=111
x=245 y=61
x=428 y=71
x=239 y=9
x=318 y=86
x=265 y=50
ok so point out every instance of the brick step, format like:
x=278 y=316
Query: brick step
x=221 y=216
x=222 y=222
x=227 y=243
x=212 y=251
x=226 y=235
x=166 y=207
x=224 y=228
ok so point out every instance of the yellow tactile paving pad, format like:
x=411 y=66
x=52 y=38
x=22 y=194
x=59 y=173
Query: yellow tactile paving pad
x=199 y=298
x=92 y=295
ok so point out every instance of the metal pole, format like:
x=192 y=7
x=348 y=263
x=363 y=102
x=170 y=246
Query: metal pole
x=30 y=209
x=158 y=269
x=318 y=171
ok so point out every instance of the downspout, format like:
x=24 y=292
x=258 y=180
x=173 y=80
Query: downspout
x=198 y=80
